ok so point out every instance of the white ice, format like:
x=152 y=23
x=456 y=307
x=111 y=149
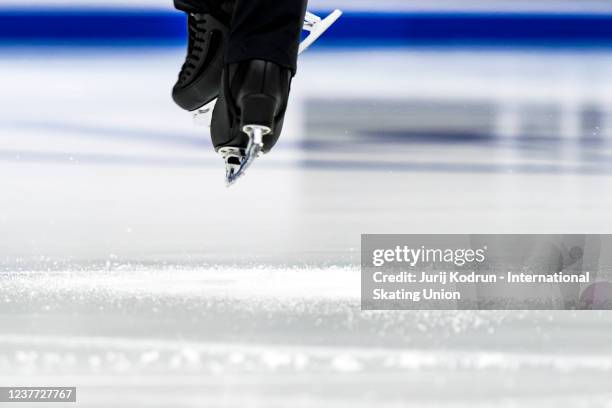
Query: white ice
x=129 y=270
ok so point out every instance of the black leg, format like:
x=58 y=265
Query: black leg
x=266 y=30
x=221 y=10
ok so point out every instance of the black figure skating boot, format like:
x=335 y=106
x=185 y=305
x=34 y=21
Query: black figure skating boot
x=198 y=82
x=248 y=118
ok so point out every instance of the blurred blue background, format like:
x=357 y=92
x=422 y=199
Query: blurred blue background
x=544 y=23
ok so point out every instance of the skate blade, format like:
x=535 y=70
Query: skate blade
x=203 y=116
x=254 y=149
x=317 y=27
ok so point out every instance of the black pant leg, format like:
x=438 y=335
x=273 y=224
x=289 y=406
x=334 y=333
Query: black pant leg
x=191 y=6
x=266 y=29
x=220 y=9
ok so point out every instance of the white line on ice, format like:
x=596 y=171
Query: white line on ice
x=349 y=359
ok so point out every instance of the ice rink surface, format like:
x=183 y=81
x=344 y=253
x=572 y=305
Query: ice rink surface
x=130 y=270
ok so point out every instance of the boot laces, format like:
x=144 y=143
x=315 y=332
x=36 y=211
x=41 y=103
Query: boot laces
x=196 y=27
